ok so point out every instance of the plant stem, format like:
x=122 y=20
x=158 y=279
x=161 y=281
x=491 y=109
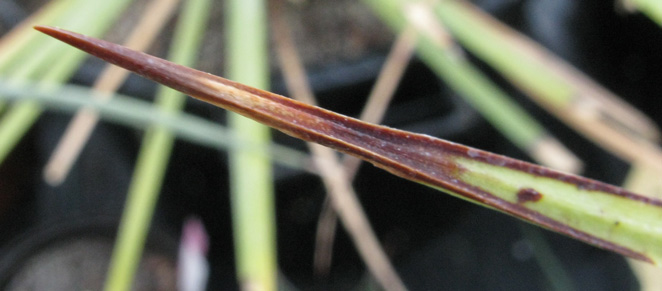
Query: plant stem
x=154 y=153
x=250 y=174
x=140 y=115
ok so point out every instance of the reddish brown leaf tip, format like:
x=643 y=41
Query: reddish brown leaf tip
x=61 y=34
x=66 y=36
x=47 y=30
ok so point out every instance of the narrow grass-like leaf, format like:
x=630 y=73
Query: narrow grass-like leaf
x=439 y=51
x=336 y=180
x=594 y=212
x=553 y=84
x=111 y=78
x=16 y=40
x=52 y=63
x=251 y=177
x=135 y=113
x=154 y=153
x=652 y=8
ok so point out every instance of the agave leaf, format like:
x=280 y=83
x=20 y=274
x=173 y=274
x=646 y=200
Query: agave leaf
x=591 y=211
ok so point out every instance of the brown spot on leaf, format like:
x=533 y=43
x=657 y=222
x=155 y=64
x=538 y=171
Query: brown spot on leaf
x=528 y=195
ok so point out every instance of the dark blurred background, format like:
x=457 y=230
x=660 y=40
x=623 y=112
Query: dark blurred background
x=435 y=241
